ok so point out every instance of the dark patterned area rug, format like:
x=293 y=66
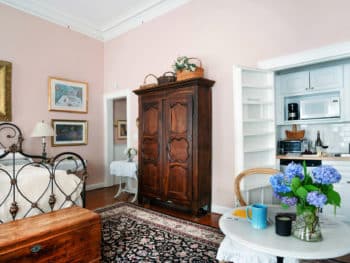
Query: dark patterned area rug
x=134 y=234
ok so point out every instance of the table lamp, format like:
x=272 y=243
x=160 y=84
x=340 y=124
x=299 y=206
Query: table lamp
x=43 y=130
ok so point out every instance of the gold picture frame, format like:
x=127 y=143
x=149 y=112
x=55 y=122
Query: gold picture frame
x=69 y=132
x=68 y=95
x=5 y=90
x=122 y=132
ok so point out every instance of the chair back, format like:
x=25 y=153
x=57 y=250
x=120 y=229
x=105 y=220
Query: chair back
x=253 y=184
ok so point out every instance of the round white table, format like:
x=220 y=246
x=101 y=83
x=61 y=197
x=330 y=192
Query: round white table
x=335 y=243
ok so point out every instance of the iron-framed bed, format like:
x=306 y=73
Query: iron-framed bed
x=33 y=184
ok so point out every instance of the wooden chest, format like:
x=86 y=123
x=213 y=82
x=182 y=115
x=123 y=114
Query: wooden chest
x=67 y=235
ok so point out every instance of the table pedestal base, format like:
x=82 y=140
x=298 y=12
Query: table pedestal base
x=127 y=188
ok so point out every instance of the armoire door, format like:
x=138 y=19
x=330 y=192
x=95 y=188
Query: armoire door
x=178 y=156
x=150 y=150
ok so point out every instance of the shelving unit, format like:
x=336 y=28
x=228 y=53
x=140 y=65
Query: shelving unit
x=258 y=120
x=254 y=118
x=259 y=149
x=258 y=133
x=313 y=121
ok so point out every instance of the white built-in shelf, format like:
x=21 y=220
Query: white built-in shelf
x=249 y=86
x=258 y=120
x=312 y=121
x=258 y=133
x=273 y=166
x=261 y=149
x=257 y=102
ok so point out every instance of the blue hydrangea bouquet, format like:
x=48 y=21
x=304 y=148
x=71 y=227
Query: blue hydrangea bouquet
x=309 y=194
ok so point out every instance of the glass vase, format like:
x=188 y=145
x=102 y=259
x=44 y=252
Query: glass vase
x=307 y=227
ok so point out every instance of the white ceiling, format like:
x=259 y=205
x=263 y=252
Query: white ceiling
x=100 y=19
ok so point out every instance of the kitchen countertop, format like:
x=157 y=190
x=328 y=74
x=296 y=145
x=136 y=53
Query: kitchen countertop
x=312 y=157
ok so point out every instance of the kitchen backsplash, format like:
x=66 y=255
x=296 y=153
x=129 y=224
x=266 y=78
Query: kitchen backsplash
x=335 y=136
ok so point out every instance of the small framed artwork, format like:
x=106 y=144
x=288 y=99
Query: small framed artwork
x=121 y=130
x=70 y=132
x=68 y=95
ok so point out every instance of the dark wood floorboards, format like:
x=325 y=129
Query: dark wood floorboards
x=105 y=196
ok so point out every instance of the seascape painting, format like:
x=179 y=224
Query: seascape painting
x=67 y=95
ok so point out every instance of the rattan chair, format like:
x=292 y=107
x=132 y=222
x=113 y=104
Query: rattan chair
x=263 y=183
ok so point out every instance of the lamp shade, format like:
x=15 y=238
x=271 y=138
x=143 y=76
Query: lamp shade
x=42 y=129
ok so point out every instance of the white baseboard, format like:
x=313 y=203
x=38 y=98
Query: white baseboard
x=215 y=208
x=220 y=209
x=94 y=186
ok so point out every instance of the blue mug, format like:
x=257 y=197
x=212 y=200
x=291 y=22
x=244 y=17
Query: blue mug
x=259 y=216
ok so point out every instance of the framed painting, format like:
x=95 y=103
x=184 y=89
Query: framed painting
x=68 y=95
x=121 y=130
x=5 y=90
x=70 y=132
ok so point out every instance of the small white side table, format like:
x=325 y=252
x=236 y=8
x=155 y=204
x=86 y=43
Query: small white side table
x=125 y=169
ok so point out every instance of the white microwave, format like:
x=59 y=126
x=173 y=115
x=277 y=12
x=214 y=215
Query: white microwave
x=317 y=108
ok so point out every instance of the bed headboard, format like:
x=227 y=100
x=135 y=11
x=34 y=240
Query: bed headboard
x=20 y=170
x=11 y=137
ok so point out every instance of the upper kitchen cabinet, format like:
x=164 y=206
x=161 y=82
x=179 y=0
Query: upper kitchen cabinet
x=311 y=81
x=327 y=78
x=254 y=119
x=292 y=83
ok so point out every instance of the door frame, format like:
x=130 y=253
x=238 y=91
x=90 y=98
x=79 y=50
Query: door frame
x=108 y=129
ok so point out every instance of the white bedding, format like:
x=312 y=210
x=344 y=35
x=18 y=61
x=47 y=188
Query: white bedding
x=32 y=182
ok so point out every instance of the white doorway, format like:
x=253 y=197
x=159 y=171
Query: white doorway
x=120 y=131
x=111 y=148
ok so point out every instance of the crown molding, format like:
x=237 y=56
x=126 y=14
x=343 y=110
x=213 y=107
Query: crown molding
x=138 y=18
x=43 y=11
x=104 y=33
x=322 y=54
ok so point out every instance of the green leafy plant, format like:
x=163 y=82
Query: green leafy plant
x=296 y=187
x=308 y=193
x=182 y=63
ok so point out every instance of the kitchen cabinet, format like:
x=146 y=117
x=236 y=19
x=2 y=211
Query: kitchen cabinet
x=292 y=83
x=175 y=144
x=343 y=188
x=323 y=82
x=311 y=81
x=327 y=78
x=254 y=119
x=345 y=98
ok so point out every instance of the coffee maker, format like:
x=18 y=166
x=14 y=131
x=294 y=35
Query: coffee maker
x=293 y=111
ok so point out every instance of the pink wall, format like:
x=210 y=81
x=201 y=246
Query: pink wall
x=222 y=33
x=37 y=50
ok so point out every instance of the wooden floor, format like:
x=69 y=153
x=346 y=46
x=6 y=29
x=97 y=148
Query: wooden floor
x=105 y=196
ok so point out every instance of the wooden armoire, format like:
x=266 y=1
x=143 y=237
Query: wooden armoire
x=175 y=144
